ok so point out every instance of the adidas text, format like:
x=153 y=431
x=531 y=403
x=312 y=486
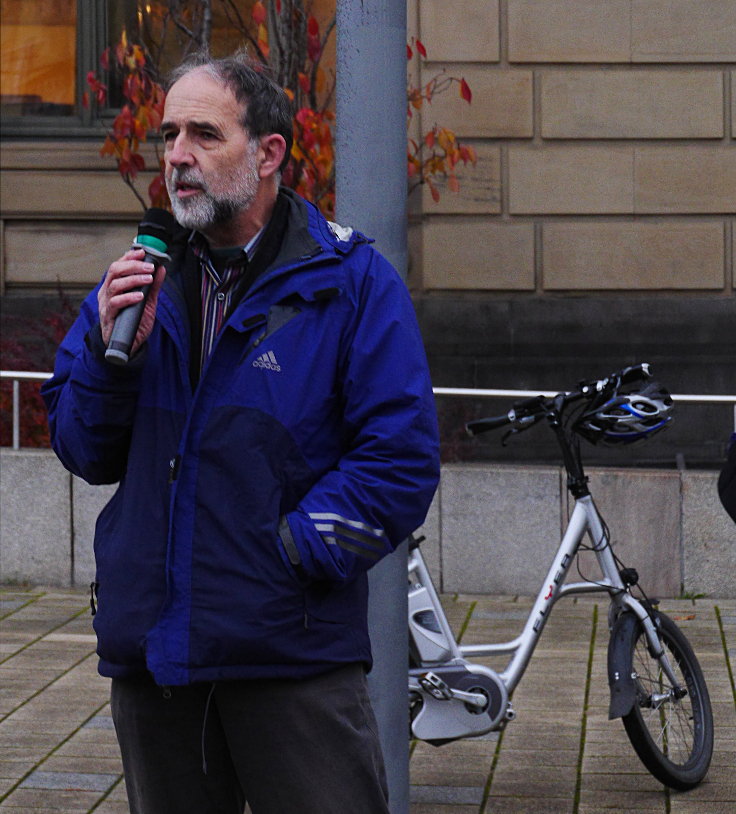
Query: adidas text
x=267 y=361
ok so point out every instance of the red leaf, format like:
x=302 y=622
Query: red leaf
x=312 y=27
x=108 y=148
x=420 y=47
x=409 y=52
x=313 y=48
x=259 y=13
x=157 y=192
x=465 y=91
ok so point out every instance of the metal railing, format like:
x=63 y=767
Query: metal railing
x=18 y=376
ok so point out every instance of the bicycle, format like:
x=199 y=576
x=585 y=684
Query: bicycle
x=656 y=684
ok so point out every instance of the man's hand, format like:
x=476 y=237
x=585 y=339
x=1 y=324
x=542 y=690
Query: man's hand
x=118 y=290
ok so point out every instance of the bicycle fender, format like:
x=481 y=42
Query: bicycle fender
x=620 y=680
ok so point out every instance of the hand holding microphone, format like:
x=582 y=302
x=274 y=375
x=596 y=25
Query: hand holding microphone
x=154 y=235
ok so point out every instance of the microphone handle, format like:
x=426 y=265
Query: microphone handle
x=128 y=320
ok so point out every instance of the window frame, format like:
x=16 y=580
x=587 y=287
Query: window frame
x=91 y=40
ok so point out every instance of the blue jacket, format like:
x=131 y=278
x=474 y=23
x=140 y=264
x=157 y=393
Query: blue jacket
x=250 y=508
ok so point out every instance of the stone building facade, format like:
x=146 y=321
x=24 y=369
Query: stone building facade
x=597 y=227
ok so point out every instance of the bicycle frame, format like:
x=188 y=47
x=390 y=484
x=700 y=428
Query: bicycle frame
x=452 y=697
x=438 y=647
x=584 y=519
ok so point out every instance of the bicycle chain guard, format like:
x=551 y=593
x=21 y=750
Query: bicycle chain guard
x=449 y=697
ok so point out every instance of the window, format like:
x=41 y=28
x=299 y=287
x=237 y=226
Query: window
x=49 y=46
x=39 y=57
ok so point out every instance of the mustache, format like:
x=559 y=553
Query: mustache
x=189 y=177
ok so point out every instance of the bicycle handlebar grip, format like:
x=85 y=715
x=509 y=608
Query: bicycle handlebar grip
x=484 y=424
x=629 y=375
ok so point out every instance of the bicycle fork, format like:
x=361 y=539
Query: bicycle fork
x=622 y=678
x=625 y=614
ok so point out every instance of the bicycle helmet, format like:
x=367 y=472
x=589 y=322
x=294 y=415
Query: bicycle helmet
x=626 y=418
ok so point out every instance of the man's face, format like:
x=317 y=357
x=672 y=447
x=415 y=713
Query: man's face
x=210 y=161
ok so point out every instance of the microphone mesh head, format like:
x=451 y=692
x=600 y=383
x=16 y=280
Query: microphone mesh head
x=158 y=223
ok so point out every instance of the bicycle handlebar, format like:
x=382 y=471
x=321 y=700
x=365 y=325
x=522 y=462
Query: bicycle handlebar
x=524 y=414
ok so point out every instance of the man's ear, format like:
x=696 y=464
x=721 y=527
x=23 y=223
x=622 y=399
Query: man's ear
x=273 y=150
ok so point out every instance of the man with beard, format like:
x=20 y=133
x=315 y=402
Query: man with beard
x=273 y=436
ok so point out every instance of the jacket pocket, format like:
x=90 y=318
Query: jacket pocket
x=328 y=602
x=290 y=553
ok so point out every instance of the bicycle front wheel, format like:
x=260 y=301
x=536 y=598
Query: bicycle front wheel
x=671 y=728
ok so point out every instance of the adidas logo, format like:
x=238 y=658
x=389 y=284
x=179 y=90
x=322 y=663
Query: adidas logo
x=267 y=361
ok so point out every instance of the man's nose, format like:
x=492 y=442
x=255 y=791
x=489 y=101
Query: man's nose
x=179 y=153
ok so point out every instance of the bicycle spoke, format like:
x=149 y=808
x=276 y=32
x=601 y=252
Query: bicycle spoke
x=668 y=719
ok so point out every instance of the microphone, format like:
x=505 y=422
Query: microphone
x=154 y=234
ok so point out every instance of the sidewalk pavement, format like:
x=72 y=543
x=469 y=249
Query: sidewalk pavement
x=560 y=756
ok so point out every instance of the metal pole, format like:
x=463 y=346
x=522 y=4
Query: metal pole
x=371 y=123
x=371 y=196
x=16 y=414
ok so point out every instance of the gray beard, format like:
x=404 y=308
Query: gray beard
x=196 y=214
x=206 y=209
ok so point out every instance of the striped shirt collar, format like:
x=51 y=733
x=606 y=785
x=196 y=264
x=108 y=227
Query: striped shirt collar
x=217 y=288
x=201 y=247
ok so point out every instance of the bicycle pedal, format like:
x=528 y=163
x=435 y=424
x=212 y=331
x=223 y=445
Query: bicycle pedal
x=431 y=683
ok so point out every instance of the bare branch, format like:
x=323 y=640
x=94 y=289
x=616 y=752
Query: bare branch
x=315 y=66
x=127 y=179
x=206 y=33
x=232 y=12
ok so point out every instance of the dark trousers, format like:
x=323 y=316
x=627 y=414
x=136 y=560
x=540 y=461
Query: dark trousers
x=306 y=746
x=727 y=482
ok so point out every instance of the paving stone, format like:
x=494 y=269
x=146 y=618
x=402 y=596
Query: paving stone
x=446 y=794
x=100 y=722
x=90 y=764
x=598 y=806
x=440 y=808
x=69 y=781
x=516 y=805
x=45 y=801
x=113 y=807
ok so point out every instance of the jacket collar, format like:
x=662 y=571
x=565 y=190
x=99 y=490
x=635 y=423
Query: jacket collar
x=306 y=265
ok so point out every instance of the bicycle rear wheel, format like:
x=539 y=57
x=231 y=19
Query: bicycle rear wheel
x=672 y=735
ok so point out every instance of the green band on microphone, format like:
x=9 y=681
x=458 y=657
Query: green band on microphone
x=151 y=242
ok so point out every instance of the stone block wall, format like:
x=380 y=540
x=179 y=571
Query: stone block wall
x=605 y=133
x=495 y=528
x=492 y=529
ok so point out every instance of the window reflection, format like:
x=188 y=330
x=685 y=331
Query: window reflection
x=38 y=57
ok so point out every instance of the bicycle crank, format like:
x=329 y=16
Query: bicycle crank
x=459 y=700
